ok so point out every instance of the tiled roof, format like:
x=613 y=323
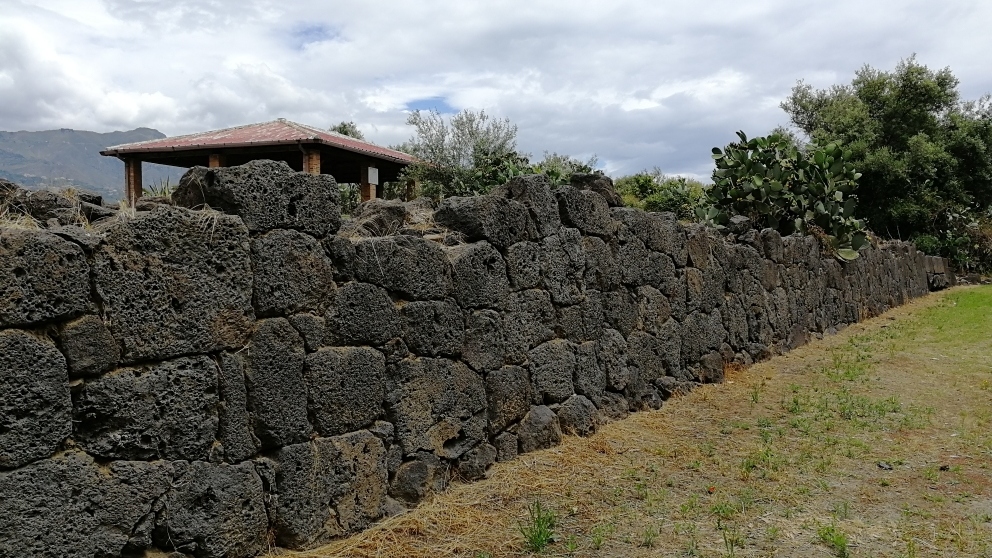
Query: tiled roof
x=275 y=132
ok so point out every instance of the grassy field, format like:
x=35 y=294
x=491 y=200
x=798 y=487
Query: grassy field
x=873 y=442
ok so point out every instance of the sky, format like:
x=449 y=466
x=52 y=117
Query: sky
x=638 y=84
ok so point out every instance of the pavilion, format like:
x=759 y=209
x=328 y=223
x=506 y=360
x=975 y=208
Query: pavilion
x=303 y=147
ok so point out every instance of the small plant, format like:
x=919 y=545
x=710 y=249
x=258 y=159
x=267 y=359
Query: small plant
x=163 y=188
x=732 y=540
x=723 y=510
x=600 y=533
x=650 y=534
x=834 y=538
x=571 y=544
x=538 y=532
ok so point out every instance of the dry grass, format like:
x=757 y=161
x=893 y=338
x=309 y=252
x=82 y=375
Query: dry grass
x=873 y=442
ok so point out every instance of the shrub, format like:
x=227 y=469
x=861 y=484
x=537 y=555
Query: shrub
x=777 y=185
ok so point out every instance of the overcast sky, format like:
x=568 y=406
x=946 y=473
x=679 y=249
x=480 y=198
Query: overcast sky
x=638 y=84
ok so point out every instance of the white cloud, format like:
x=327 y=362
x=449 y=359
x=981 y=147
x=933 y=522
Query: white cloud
x=639 y=83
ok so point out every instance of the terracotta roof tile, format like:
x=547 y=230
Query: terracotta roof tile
x=275 y=132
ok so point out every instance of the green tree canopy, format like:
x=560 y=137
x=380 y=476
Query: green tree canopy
x=925 y=155
x=349 y=129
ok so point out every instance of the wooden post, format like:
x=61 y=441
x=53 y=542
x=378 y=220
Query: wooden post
x=311 y=161
x=370 y=179
x=132 y=180
x=217 y=160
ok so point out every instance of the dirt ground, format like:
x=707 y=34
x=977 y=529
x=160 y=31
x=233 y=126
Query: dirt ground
x=872 y=442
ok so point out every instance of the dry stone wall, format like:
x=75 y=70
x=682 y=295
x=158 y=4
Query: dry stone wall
x=248 y=370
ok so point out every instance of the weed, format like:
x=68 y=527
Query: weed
x=732 y=540
x=689 y=507
x=834 y=538
x=571 y=544
x=538 y=532
x=755 y=392
x=841 y=510
x=600 y=533
x=650 y=534
x=723 y=510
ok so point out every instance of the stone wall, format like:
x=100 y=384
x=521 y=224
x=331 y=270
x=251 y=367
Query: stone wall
x=254 y=372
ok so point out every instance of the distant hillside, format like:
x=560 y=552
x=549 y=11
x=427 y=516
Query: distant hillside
x=72 y=158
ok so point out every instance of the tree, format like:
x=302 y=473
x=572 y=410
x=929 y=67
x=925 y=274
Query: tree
x=925 y=155
x=467 y=155
x=349 y=129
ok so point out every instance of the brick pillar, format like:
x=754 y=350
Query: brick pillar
x=217 y=160
x=311 y=161
x=132 y=180
x=370 y=179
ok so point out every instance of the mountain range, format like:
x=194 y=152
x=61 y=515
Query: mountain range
x=62 y=158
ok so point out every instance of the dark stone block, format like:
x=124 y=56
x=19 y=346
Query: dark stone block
x=509 y=393
x=496 y=219
x=434 y=328
x=266 y=195
x=277 y=393
x=529 y=320
x=327 y=488
x=590 y=375
x=423 y=475
x=552 y=366
x=700 y=334
x=578 y=416
x=485 y=347
x=506 y=447
x=480 y=279
x=602 y=268
x=213 y=511
x=523 y=265
x=69 y=507
x=346 y=387
x=175 y=282
x=539 y=430
x=534 y=192
x=42 y=278
x=341 y=250
x=584 y=210
x=362 y=314
x=620 y=310
x=562 y=264
x=611 y=350
x=235 y=430
x=653 y=309
x=437 y=405
x=772 y=246
x=711 y=368
x=473 y=465
x=612 y=405
x=35 y=409
x=415 y=268
x=88 y=346
x=599 y=183
x=313 y=330
x=163 y=411
x=291 y=274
